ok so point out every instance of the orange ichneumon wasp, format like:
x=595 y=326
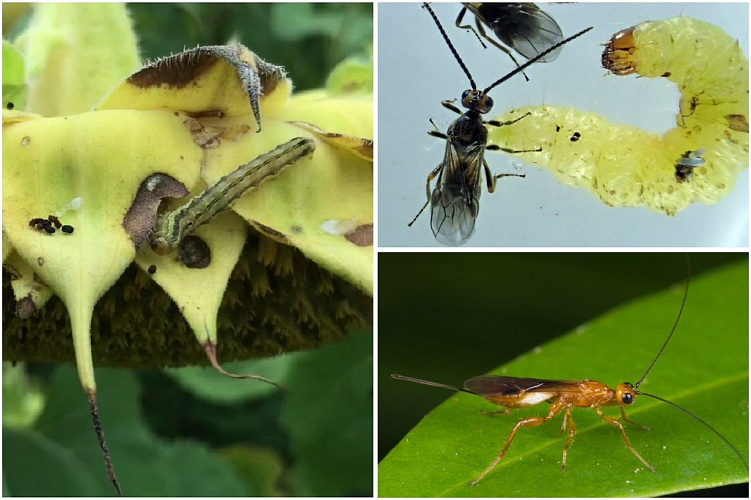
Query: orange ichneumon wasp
x=563 y=396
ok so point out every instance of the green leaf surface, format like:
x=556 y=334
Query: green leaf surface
x=329 y=415
x=704 y=369
x=14 y=84
x=59 y=456
x=211 y=385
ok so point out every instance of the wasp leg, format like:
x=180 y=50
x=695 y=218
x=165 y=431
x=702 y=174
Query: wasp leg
x=491 y=178
x=496 y=123
x=431 y=176
x=498 y=45
x=567 y=418
x=443 y=136
x=440 y=135
x=626 y=419
x=449 y=104
x=618 y=424
x=460 y=18
x=555 y=409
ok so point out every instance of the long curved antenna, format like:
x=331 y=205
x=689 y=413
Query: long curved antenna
x=428 y=382
x=675 y=325
x=451 y=45
x=535 y=59
x=695 y=417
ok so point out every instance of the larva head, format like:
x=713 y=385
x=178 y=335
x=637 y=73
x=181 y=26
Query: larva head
x=625 y=394
x=477 y=100
x=617 y=54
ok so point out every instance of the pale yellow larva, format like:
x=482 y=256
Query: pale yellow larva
x=626 y=166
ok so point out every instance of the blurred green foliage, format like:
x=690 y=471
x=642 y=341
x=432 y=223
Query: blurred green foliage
x=307 y=39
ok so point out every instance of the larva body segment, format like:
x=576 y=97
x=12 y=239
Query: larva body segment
x=626 y=166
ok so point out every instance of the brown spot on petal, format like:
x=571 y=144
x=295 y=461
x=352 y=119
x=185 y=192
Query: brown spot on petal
x=362 y=236
x=140 y=220
x=270 y=232
x=360 y=146
x=204 y=136
x=176 y=71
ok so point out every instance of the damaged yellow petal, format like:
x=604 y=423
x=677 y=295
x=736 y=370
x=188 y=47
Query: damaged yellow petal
x=98 y=159
x=196 y=275
x=206 y=81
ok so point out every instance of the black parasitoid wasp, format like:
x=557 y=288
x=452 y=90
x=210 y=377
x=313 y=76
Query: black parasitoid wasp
x=455 y=199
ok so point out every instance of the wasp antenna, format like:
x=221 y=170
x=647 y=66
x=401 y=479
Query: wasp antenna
x=428 y=382
x=696 y=417
x=539 y=56
x=451 y=45
x=675 y=325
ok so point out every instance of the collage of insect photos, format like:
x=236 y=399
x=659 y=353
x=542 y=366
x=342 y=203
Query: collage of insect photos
x=375 y=249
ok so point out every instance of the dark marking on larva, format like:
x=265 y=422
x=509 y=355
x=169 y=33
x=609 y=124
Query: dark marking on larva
x=738 y=123
x=576 y=137
x=152 y=269
x=40 y=261
x=194 y=253
x=10 y=106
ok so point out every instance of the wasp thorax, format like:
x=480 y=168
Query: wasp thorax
x=477 y=100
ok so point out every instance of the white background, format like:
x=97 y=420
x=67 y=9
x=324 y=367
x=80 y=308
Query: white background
x=417 y=71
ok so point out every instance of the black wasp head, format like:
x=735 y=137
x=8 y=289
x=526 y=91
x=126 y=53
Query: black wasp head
x=477 y=100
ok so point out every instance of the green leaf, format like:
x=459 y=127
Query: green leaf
x=329 y=416
x=60 y=454
x=209 y=384
x=704 y=369
x=14 y=82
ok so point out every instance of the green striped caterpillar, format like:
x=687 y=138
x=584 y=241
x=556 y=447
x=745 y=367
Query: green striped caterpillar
x=627 y=166
x=173 y=227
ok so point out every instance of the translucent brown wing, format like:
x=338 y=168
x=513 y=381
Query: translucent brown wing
x=493 y=385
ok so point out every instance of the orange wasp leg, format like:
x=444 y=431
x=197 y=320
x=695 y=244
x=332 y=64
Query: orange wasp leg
x=618 y=424
x=567 y=418
x=555 y=409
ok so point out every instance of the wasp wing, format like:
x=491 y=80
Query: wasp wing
x=527 y=29
x=494 y=385
x=454 y=204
